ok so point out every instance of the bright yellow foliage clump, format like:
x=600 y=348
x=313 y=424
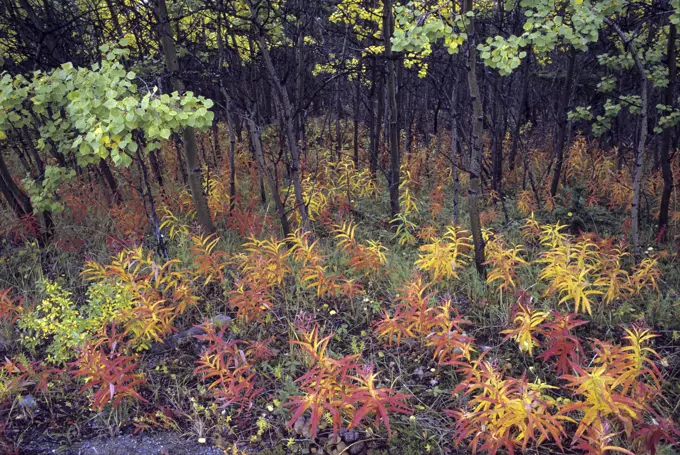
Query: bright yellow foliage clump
x=57 y=319
x=503 y=262
x=364 y=259
x=444 y=256
x=579 y=269
x=527 y=321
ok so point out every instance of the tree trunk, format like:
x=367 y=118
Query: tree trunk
x=475 y=187
x=393 y=133
x=180 y=161
x=357 y=104
x=156 y=167
x=17 y=199
x=664 y=158
x=110 y=181
x=498 y=131
x=190 y=145
x=151 y=214
x=374 y=121
x=265 y=171
x=299 y=91
x=21 y=204
x=408 y=107
x=520 y=115
x=27 y=144
x=339 y=109
x=563 y=121
x=232 y=158
x=216 y=145
x=637 y=175
x=22 y=200
x=338 y=129
x=455 y=150
x=282 y=92
x=373 y=107
x=640 y=150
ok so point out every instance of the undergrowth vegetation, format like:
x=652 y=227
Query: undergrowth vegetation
x=256 y=342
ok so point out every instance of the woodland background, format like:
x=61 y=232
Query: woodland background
x=344 y=226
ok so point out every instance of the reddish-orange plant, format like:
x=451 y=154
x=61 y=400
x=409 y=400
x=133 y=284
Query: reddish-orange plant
x=597 y=440
x=527 y=322
x=363 y=259
x=413 y=315
x=22 y=374
x=506 y=413
x=251 y=300
x=374 y=400
x=210 y=263
x=329 y=387
x=562 y=344
x=226 y=365
x=107 y=371
x=11 y=308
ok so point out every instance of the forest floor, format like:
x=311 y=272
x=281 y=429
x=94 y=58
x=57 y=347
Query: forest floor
x=354 y=339
x=148 y=444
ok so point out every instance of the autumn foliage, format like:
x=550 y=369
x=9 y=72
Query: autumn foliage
x=356 y=326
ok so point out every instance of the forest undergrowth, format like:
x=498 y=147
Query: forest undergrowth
x=364 y=334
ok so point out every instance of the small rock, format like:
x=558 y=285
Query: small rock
x=299 y=424
x=357 y=449
x=221 y=320
x=332 y=440
x=307 y=429
x=27 y=402
x=350 y=436
x=341 y=448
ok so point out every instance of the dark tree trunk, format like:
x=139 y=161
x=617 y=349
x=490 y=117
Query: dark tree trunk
x=357 y=101
x=287 y=111
x=475 y=187
x=18 y=200
x=190 y=144
x=374 y=121
x=562 y=123
x=265 y=171
x=180 y=161
x=155 y=167
x=393 y=133
x=664 y=152
x=455 y=149
x=232 y=158
x=110 y=181
x=520 y=115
